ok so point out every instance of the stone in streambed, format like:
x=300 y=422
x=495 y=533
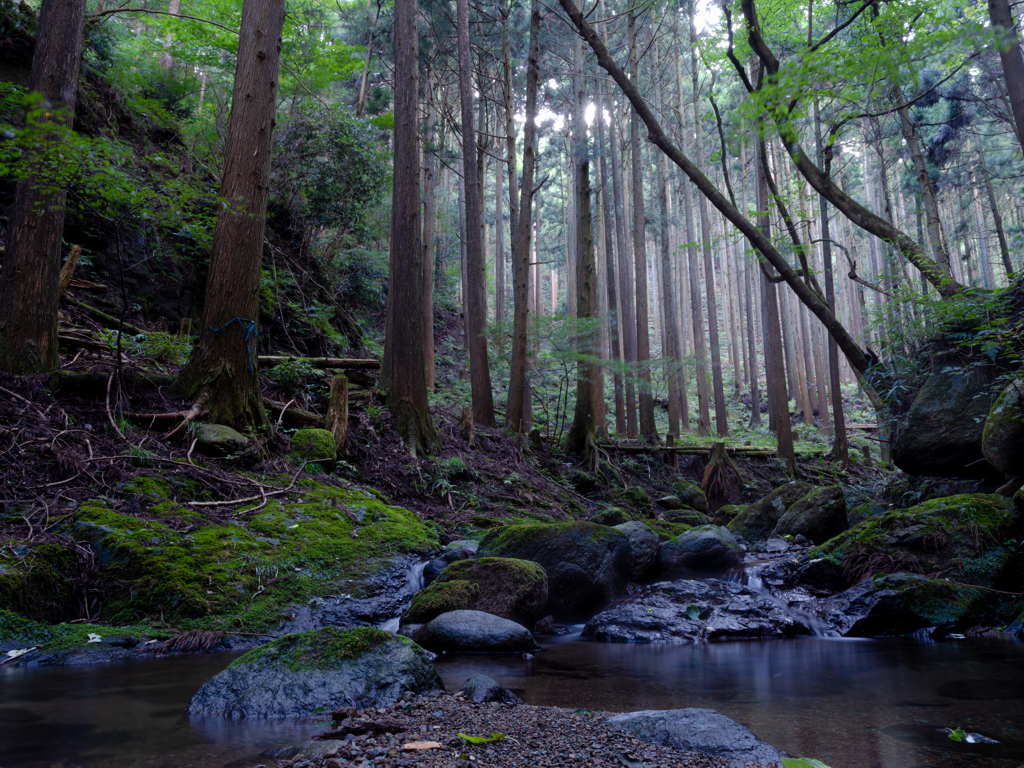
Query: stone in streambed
x=757 y=521
x=475 y=632
x=644 y=543
x=819 y=516
x=328 y=668
x=699 y=730
x=481 y=688
x=691 y=495
x=692 y=611
x=707 y=550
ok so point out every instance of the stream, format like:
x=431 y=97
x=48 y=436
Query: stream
x=849 y=703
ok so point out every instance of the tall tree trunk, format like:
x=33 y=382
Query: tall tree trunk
x=516 y=418
x=403 y=372
x=609 y=255
x=476 y=284
x=429 y=217
x=222 y=373
x=748 y=290
x=499 y=253
x=643 y=341
x=628 y=319
x=29 y=295
x=1001 y=17
x=583 y=416
x=997 y=219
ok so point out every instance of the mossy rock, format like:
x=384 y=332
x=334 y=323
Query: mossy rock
x=587 y=564
x=958 y=537
x=708 y=550
x=304 y=673
x=666 y=529
x=691 y=495
x=758 y=520
x=687 y=516
x=247 y=572
x=219 y=440
x=43 y=582
x=1002 y=439
x=314 y=445
x=726 y=513
x=865 y=511
x=610 y=516
x=819 y=516
x=634 y=499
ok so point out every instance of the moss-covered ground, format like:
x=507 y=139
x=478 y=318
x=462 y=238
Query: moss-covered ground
x=322 y=649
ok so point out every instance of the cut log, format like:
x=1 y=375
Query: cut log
x=68 y=270
x=333 y=363
x=337 y=412
x=294 y=416
x=87 y=285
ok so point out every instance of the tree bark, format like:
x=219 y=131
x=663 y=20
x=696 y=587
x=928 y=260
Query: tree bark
x=997 y=218
x=1001 y=17
x=223 y=372
x=29 y=295
x=516 y=417
x=429 y=217
x=403 y=376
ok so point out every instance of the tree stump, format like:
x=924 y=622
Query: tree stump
x=721 y=475
x=337 y=412
x=466 y=426
x=671 y=454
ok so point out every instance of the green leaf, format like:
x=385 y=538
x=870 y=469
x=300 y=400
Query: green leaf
x=481 y=739
x=693 y=613
x=802 y=762
x=958 y=735
x=583 y=711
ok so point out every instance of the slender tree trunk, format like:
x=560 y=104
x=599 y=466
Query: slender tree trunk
x=1001 y=17
x=643 y=342
x=403 y=371
x=222 y=373
x=29 y=296
x=429 y=217
x=609 y=251
x=748 y=268
x=997 y=219
x=476 y=284
x=499 y=252
x=516 y=417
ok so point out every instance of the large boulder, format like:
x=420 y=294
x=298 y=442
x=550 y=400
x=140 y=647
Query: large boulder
x=588 y=565
x=963 y=538
x=942 y=435
x=699 y=730
x=219 y=440
x=757 y=521
x=709 y=550
x=644 y=543
x=819 y=516
x=692 y=611
x=329 y=668
x=905 y=604
x=1002 y=440
x=475 y=632
x=506 y=587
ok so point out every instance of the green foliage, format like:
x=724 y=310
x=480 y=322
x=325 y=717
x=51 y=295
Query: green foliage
x=481 y=739
x=295 y=372
x=323 y=649
x=802 y=762
x=957 y=735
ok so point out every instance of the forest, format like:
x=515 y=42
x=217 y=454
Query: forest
x=419 y=382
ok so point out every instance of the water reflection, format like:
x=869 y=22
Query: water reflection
x=861 y=704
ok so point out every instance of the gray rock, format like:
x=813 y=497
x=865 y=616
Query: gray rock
x=699 y=730
x=1002 y=439
x=819 y=516
x=219 y=440
x=483 y=689
x=669 y=502
x=329 y=668
x=587 y=565
x=707 y=550
x=644 y=543
x=942 y=436
x=692 y=611
x=475 y=632
x=756 y=521
x=687 y=516
x=471 y=544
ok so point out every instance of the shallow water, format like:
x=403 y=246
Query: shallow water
x=851 y=704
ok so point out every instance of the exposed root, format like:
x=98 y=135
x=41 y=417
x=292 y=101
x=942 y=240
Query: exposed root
x=192 y=641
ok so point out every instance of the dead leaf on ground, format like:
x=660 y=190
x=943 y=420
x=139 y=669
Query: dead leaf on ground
x=419 y=745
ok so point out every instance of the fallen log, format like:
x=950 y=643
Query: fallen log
x=294 y=415
x=112 y=321
x=333 y=363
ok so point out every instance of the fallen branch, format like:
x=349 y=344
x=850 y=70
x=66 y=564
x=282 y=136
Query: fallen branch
x=353 y=363
x=101 y=315
x=192 y=413
x=263 y=495
x=110 y=415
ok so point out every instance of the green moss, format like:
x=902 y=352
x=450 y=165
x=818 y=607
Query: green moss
x=66 y=637
x=666 y=529
x=40 y=582
x=440 y=597
x=154 y=487
x=512 y=537
x=314 y=445
x=958 y=536
x=244 y=573
x=323 y=649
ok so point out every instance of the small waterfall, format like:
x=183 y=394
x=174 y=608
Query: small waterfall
x=750 y=577
x=413 y=584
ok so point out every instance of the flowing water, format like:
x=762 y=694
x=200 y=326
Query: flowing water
x=851 y=704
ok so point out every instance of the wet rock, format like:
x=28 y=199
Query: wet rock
x=1002 y=439
x=692 y=611
x=611 y=516
x=726 y=514
x=709 y=549
x=471 y=544
x=776 y=545
x=903 y=604
x=819 y=516
x=687 y=516
x=699 y=730
x=670 y=503
x=329 y=668
x=482 y=688
x=475 y=632
x=587 y=564
x=942 y=435
x=433 y=569
x=451 y=554
x=547 y=626
x=219 y=440
x=691 y=495
x=506 y=587
x=758 y=520
x=644 y=543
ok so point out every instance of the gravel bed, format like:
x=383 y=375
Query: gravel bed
x=533 y=736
